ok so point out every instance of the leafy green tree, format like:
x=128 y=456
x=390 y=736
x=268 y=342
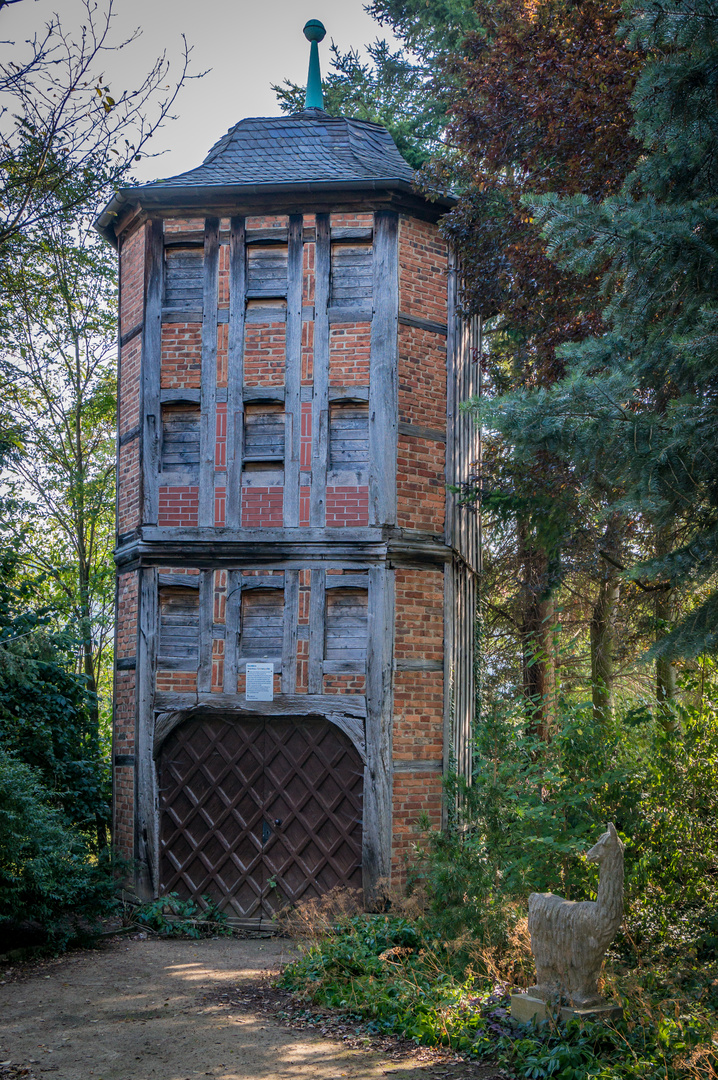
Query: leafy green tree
x=60 y=118
x=47 y=874
x=57 y=367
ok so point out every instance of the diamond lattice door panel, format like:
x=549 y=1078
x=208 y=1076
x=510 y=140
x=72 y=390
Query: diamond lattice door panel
x=258 y=813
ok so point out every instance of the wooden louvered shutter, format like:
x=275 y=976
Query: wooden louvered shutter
x=180 y=439
x=179 y=629
x=349 y=436
x=266 y=272
x=352 y=274
x=345 y=625
x=262 y=627
x=183 y=279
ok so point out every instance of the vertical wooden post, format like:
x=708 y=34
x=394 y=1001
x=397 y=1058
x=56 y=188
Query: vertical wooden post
x=383 y=388
x=206 y=621
x=289 y=644
x=150 y=409
x=208 y=414
x=146 y=804
x=235 y=373
x=320 y=401
x=378 y=775
x=293 y=371
x=231 y=630
x=316 y=632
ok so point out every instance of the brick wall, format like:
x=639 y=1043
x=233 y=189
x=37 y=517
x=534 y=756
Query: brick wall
x=181 y=356
x=178 y=506
x=422 y=378
x=262 y=507
x=128 y=487
x=347 y=506
x=265 y=348
x=418 y=715
x=345 y=684
x=421 y=484
x=132 y=270
x=349 y=350
x=124 y=715
x=177 y=682
x=419 y=605
x=422 y=270
x=129 y=387
x=415 y=794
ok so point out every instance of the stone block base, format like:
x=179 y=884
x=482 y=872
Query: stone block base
x=526 y=1009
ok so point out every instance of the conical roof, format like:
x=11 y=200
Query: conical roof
x=309 y=147
x=309 y=153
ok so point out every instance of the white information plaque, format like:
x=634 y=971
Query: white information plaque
x=260 y=682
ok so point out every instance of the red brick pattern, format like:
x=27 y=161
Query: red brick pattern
x=419 y=715
x=414 y=795
x=217 y=684
x=128 y=487
x=422 y=378
x=419 y=607
x=127 y=586
x=220 y=507
x=262 y=507
x=132 y=278
x=178 y=506
x=123 y=826
x=265 y=348
x=175 y=225
x=181 y=356
x=345 y=684
x=220 y=596
x=349 y=351
x=347 y=506
x=129 y=388
x=220 y=449
x=422 y=270
x=222 y=345
x=267 y=221
x=421 y=484
x=177 y=682
x=307 y=353
x=308 y=271
x=223 y=293
x=351 y=221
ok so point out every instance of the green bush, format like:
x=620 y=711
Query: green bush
x=169 y=916
x=533 y=809
x=47 y=874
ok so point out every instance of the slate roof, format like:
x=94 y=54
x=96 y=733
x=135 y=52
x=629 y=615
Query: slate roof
x=309 y=147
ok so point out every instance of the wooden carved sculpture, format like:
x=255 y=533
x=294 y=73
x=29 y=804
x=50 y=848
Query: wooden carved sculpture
x=569 y=939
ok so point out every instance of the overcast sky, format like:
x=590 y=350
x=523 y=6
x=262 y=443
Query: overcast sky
x=248 y=44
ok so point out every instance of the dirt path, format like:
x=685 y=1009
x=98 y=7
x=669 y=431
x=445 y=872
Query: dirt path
x=150 y=1010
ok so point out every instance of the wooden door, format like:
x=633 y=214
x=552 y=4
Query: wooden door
x=258 y=813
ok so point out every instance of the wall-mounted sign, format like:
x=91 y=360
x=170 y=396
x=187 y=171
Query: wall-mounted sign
x=260 y=682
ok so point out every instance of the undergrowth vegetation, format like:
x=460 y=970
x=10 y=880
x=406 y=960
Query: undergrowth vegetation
x=438 y=965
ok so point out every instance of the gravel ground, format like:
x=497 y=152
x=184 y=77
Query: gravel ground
x=176 y=1010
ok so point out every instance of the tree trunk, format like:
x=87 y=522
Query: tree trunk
x=537 y=639
x=664 y=616
x=603 y=641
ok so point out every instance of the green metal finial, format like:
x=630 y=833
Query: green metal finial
x=314 y=31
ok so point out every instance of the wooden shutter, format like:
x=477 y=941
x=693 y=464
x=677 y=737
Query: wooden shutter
x=262 y=627
x=267 y=272
x=349 y=435
x=180 y=438
x=352 y=274
x=179 y=628
x=264 y=433
x=345 y=625
x=184 y=269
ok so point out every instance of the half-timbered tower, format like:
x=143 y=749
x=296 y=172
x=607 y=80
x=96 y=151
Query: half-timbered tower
x=295 y=583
